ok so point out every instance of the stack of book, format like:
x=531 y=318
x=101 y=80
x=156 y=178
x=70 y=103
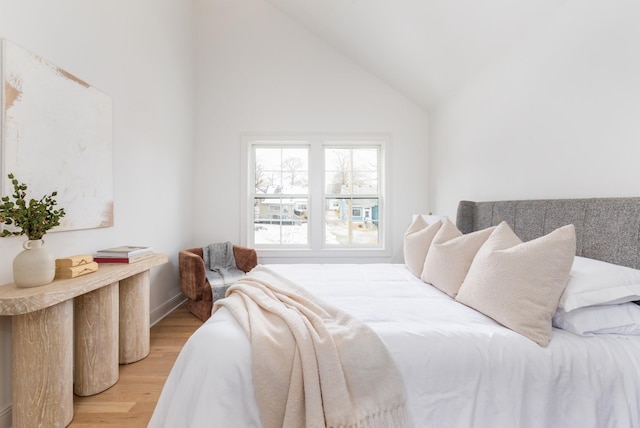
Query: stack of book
x=73 y=266
x=123 y=254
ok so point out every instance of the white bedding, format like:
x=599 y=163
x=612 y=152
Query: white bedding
x=460 y=368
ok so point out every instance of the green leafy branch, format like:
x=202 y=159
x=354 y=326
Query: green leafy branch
x=33 y=218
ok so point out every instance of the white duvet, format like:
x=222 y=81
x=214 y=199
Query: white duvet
x=460 y=368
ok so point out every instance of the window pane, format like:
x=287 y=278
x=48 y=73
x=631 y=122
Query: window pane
x=353 y=170
x=337 y=159
x=295 y=170
x=281 y=170
x=281 y=221
x=267 y=170
x=351 y=221
x=365 y=182
x=365 y=170
x=365 y=159
x=337 y=170
x=334 y=182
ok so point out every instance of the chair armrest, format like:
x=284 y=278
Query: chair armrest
x=246 y=258
x=193 y=278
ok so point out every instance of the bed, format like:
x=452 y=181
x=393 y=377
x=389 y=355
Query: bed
x=460 y=367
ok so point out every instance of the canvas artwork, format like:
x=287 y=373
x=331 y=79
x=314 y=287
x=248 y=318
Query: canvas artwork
x=56 y=136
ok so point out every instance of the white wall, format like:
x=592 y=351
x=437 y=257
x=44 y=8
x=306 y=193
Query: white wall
x=259 y=72
x=256 y=72
x=559 y=118
x=140 y=53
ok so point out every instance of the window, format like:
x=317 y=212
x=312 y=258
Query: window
x=351 y=186
x=280 y=177
x=317 y=194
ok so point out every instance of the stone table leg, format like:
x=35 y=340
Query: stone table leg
x=96 y=340
x=42 y=362
x=134 y=318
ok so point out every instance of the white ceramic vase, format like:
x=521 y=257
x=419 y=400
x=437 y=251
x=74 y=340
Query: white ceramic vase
x=34 y=266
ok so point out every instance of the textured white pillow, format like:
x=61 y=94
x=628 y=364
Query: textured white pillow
x=519 y=283
x=450 y=257
x=417 y=240
x=606 y=319
x=594 y=282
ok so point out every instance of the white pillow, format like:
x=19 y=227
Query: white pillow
x=417 y=240
x=519 y=283
x=607 y=319
x=450 y=257
x=594 y=282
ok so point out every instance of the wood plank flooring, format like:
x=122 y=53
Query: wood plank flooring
x=131 y=401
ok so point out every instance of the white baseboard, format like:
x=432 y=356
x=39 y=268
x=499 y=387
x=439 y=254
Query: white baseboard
x=5 y=418
x=165 y=309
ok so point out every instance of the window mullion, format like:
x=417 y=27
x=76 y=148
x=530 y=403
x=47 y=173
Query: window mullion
x=316 y=191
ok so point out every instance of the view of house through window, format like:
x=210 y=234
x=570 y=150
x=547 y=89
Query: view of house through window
x=351 y=195
x=281 y=195
x=322 y=194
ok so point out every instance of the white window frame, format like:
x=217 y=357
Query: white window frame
x=317 y=248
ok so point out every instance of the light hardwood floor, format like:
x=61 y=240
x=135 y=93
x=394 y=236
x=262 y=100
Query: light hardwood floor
x=130 y=402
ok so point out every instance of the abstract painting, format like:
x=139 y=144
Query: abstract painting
x=56 y=136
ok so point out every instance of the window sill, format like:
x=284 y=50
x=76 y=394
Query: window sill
x=338 y=255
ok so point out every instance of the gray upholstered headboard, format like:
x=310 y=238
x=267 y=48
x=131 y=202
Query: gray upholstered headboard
x=606 y=228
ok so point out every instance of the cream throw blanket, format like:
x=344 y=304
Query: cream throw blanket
x=313 y=365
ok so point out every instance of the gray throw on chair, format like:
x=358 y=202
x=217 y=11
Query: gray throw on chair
x=221 y=268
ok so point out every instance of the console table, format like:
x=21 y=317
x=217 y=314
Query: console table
x=78 y=328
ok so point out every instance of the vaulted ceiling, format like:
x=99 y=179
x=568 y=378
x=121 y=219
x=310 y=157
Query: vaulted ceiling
x=425 y=49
